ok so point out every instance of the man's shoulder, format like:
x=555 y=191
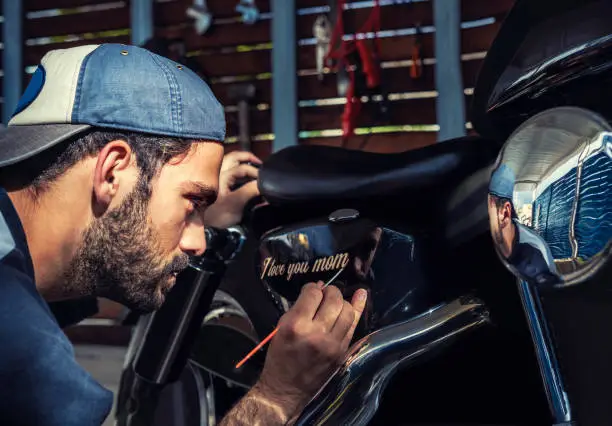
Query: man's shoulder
x=38 y=370
x=27 y=327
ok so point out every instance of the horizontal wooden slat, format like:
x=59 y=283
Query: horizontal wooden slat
x=226 y=8
x=302 y=4
x=103 y=20
x=476 y=39
x=412 y=111
x=392 y=49
x=32 y=5
x=402 y=112
x=380 y=143
x=260 y=122
x=173 y=14
x=262 y=149
x=244 y=63
x=263 y=91
x=395 y=80
x=470 y=9
x=232 y=34
x=392 y=17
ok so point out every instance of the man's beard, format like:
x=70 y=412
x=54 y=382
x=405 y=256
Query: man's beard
x=120 y=258
x=498 y=237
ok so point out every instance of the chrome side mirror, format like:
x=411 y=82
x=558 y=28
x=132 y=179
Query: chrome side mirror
x=550 y=197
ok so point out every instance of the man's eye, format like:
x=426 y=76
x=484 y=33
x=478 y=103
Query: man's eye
x=197 y=203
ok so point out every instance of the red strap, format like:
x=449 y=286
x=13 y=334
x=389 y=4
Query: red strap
x=372 y=24
x=352 y=107
x=337 y=36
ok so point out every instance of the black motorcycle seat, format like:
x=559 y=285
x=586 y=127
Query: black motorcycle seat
x=306 y=174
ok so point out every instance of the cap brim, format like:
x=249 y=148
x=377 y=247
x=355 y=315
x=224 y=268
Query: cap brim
x=18 y=143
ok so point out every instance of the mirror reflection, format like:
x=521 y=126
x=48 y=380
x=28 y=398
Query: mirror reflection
x=550 y=196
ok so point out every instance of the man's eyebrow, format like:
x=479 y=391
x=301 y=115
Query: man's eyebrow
x=207 y=193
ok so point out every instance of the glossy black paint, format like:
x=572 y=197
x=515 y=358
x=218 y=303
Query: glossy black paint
x=385 y=262
x=547 y=53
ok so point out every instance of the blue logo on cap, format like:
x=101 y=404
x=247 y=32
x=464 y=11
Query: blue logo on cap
x=33 y=90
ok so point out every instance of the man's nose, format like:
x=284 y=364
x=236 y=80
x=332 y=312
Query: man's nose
x=193 y=241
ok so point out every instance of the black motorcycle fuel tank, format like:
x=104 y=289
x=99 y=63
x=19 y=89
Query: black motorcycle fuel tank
x=349 y=252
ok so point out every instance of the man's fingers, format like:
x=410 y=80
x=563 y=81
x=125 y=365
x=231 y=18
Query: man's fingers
x=231 y=176
x=234 y=158
x=308 y=301
x=330 y=307
x=246 y=192
x=358 y=303
x=344 y=322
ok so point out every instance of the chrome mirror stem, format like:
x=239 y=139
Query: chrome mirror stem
x=549 y=370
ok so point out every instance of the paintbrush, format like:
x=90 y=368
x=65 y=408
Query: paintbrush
x=273 y=333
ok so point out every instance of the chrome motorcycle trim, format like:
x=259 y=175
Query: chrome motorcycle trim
x=139 y=332
x=549 y=370
x=205 y=396
x=230 y=307
x=220 y=376
x=173 y=346
x=351 y=396
x=343 y=215
x=578 y=62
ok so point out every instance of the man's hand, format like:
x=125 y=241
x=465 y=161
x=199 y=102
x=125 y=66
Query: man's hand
x=227 y=210
x=312 y=340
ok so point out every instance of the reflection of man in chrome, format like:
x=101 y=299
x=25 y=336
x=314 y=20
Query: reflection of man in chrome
x=522 y=247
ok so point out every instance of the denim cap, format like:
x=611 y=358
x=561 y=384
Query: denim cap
x=502 y=182
x=112 y=86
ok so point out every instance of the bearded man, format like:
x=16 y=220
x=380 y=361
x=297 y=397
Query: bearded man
x=109 y=170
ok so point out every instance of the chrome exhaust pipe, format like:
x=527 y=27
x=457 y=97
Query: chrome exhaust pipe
x=352 y=394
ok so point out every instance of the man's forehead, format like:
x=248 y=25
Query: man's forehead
x=198 y=171
x=201 y=157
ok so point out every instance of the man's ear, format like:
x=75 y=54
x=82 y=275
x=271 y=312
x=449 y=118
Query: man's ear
x=505 y=214
x=113 y=161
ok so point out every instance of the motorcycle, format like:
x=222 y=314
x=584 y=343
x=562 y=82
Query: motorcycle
x=486 y=259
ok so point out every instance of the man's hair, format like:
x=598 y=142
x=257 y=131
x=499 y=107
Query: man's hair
x=151 y=153
x=500 y=201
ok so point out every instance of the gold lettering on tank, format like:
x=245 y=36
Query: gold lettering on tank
x=272 y=269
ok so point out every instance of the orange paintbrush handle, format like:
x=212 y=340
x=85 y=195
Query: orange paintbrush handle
x=258 y=347
x=273 y=333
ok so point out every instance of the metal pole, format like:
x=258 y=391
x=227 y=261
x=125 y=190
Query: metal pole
x=141 y=21
x=12 y=56
x=450 y=108
x=284 y=75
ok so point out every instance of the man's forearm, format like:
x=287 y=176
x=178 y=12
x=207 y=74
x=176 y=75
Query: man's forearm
x=254 y=409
